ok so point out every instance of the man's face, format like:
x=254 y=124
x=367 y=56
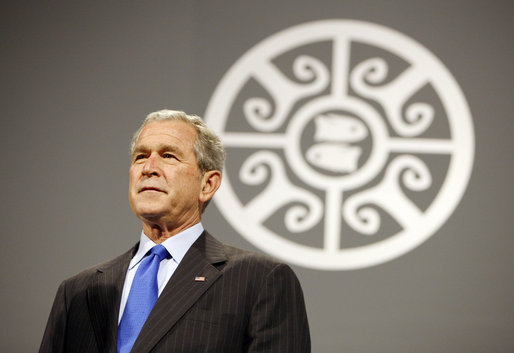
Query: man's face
x=164 y=179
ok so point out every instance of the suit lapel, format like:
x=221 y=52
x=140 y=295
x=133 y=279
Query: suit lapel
x=104 y=296
x=182 y=291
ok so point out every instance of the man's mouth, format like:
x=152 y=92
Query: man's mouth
x=150 y=188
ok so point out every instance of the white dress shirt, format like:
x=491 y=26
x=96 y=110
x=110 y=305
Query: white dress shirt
x=177 y=246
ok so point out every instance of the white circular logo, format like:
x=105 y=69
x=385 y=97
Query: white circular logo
x=349 y=144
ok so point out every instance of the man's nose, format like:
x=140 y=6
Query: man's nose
x=152 y=165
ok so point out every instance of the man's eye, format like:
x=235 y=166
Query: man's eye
x=139 y=156
x=168 y=155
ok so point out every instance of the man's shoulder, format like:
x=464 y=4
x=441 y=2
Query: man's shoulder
x=84 y=276
x=252 y=261
x=242 y=255
x=238 y=256
x=257 y=270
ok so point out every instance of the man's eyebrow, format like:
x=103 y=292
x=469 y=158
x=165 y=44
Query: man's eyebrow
x=167 y=147
x=139 y=148
x=160 y=148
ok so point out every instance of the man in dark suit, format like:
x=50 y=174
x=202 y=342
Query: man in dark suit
x=211 y=297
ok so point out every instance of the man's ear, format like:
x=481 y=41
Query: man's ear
x=211 y=181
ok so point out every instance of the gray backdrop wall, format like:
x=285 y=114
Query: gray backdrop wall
x=78 y=77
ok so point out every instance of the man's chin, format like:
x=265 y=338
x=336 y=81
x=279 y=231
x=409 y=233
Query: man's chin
x=149 y=214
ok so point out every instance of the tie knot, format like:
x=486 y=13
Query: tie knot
x=160 y=251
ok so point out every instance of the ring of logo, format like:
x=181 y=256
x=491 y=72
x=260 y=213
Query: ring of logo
x=461 y=146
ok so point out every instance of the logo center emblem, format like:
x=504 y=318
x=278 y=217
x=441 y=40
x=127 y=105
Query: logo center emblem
x=349 y=144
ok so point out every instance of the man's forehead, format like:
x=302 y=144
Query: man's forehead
x=168 y=130
x=166 y=135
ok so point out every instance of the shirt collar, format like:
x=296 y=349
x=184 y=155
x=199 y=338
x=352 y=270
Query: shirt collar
x=177 y=245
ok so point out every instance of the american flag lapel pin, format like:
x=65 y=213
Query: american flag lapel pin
x=199 y=279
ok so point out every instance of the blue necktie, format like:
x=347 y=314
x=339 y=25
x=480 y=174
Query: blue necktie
x=142 y=297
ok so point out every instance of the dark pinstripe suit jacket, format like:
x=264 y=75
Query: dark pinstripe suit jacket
x=247 y=303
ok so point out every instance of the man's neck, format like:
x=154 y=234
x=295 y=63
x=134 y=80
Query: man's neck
x=158 y=233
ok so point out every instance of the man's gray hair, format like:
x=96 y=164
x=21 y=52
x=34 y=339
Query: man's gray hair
x=210 y=153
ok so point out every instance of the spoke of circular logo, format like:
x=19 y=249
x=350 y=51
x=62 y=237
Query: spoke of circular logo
x=349 y=144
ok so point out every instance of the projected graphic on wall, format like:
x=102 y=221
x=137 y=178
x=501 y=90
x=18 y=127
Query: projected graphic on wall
x=350 y=144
